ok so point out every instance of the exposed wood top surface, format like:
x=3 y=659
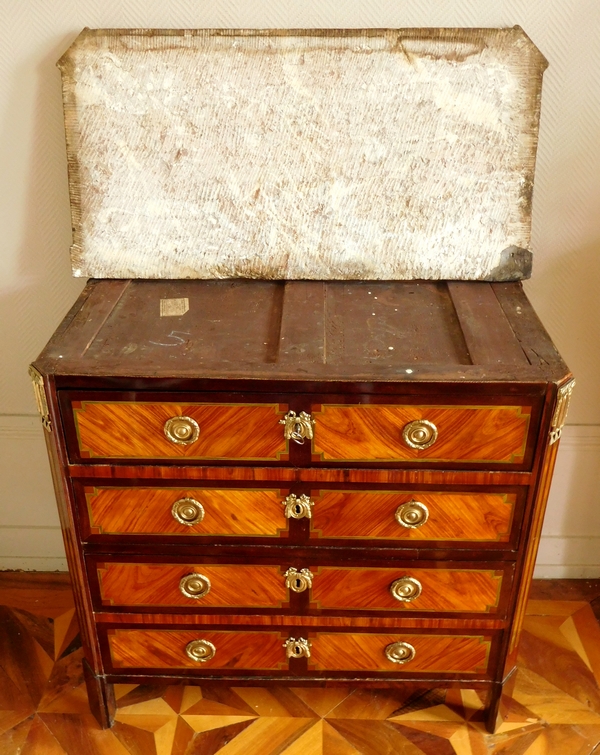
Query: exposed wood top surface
x=304 y=331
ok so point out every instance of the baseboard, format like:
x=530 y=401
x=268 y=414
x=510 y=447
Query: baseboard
x=33 y=564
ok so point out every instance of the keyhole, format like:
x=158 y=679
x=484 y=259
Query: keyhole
x=297 y=651
x=298 y=508
x=298 y=583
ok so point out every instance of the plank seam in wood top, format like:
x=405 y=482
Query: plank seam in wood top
x=276 y=323
x=523 y=349
x=104 y=319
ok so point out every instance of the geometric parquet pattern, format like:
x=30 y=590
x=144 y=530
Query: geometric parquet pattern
x=553 y=706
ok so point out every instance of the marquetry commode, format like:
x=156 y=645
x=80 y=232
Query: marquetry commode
x=301 y=483
x=341 y=478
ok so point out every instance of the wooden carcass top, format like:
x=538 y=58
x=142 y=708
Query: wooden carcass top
x=372 y=335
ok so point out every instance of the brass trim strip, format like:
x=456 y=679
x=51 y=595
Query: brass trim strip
x=39 y=391
x=560 y=413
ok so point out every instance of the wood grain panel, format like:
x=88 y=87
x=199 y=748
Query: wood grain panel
x=468 y=517
x=547 y=463
x=317 y=475
x=148 y=511
x=395 y=623
x=476 y=306
x=158 y=648
x=131 y=584
x=370 y=433
x=355 y=588
x=366 y=652
x=134 y=430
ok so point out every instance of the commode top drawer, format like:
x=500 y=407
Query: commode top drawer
x=259 y=428
x=212 y=430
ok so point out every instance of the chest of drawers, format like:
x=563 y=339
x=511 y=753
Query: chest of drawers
x=301 y=483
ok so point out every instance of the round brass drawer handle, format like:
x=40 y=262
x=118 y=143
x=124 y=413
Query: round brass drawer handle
x=200 y=650
x=182 y=430
x=298 y=581
x=400 y=652
x=297 y=648
x=195 y=586
x=420 y=434
x=412 y=514
x=187 y=511
x=406 y=589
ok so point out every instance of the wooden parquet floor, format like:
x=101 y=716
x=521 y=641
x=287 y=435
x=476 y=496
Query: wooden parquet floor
x=553 y=707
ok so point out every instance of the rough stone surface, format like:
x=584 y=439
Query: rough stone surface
x=381 y=154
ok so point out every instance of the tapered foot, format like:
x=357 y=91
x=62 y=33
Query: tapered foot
x=101 y=697
x=499 y=701
x=492 y=714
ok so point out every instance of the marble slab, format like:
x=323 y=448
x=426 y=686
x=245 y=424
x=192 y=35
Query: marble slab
x=315 y=154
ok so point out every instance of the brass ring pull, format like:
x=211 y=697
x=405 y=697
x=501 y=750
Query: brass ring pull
x=420 y=434
x=298 y=508
x=188 y=511
x=406 y=589
x=400 y=652
x=298 y=581
x=412 y=514
x=297 y=427
x=194 y=586
x=182 y=430
x=200 y=650
x=297 y=648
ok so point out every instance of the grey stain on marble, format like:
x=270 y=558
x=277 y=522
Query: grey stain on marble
x=357 y=154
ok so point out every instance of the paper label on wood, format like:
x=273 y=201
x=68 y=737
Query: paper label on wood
x=373 y=154
x=174 y=307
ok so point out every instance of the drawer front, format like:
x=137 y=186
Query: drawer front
x=421 y=517
x=441 y=654
x=416 y=516
x=206 y=650
x=166 y=649
x=138 y=430
x=315 y=588
x=137 y=585
x=369 y=433
x=185 y=511
x=408 y=589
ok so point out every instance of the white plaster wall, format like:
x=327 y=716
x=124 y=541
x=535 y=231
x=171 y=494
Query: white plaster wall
x=36 y=287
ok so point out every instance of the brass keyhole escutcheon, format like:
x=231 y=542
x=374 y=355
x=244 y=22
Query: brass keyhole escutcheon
x=188 y=511
x=182 y=430
x=298 y=581
x=400 y=652
x=297 y=648
x=406 y=589
x=412 y=514
x=420 y=434
x=298 y=507
x=297 y=427
x=200 y=650
x=194 y=586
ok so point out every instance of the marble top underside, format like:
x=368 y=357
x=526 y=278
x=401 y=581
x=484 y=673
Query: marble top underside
x=378 y=154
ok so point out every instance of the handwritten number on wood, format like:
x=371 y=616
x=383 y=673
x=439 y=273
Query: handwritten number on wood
x=176 y=336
